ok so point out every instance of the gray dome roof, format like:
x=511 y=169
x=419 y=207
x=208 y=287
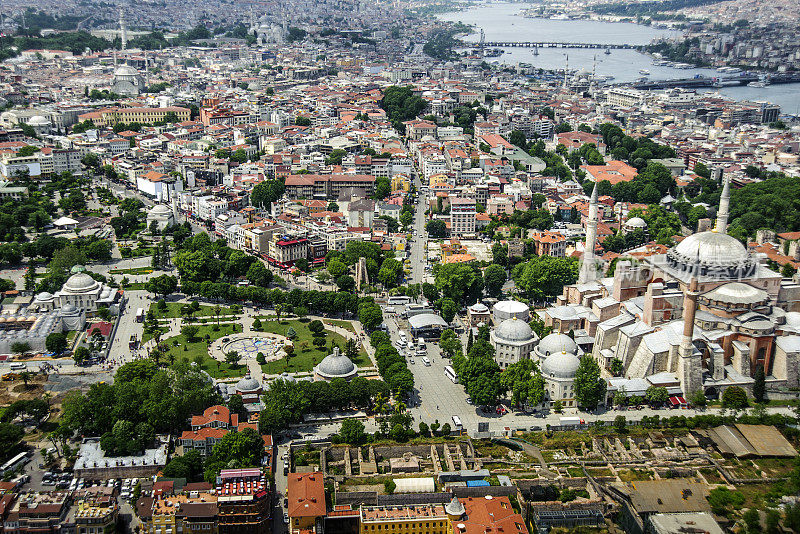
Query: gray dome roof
x=38 y=120
x=478 y=308
x=511 y=306
x=160 y=209
x=68 y=308
x=557 y=343
x=560 y=365
x=514 y=330
x=636 y=222
x=80 y=282
x=44 y=295
x=125 y=70
x=335 y=365
x=248 y=384
x=737 y=293
x=712 y=248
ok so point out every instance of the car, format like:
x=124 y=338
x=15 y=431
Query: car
x=285 y=503
x=469 y=400
x=285 y=518
x=411 y=361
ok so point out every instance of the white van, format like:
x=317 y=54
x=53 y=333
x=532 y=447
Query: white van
x=426 y=362
x=18 y=366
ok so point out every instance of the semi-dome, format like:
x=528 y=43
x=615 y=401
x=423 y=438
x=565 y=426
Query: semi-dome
x=336 y=365
x=248 y=384
x=80 y=282
x=514 y=330
x=561 y=365
x=557 y=343
x=737 y=293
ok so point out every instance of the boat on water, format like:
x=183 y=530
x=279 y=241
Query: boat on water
x=535 y=50
x=757 y=84
x=607 y=52
x=644 y=72
x=560 y=16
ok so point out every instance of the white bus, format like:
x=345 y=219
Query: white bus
x=451 y=374
x=400 y=300
x=457 y=426
x=140 y=315
x=14 y=463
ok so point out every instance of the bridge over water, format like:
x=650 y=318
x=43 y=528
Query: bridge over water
x=555 y=44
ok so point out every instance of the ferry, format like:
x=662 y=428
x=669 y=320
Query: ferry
x=607 y=52
x=560 y=16
x=757 y=84
x=644 y=72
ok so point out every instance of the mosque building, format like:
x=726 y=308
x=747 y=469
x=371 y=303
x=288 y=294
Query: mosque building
x=702 y=317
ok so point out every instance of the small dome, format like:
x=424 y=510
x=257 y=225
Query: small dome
x=38 y=120
x=336 y=365
x=636 y=222
x=80 y=282
x=248 y=384
x=557 y=343
x=160 y=209
x=478 y=308
x=455 y=508
x=44 y=296
x=515 y=330
x=68 y=308
x=511 y=306
x=560 y=365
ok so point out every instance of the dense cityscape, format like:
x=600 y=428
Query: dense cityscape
x=341 y=267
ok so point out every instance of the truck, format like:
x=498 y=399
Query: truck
x=571 y=421
x=140 y=315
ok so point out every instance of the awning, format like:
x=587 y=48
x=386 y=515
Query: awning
x=677 y=401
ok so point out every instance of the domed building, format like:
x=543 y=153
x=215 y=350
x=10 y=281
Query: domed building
x=41 y=124
x=634 y=223
x=336 y=365
x=558 y=371
x=250 y=390
x=81 y=291
x=127 y=81
x=555 y=343
x=162 y=215
x=702 y=317
x=513 y=340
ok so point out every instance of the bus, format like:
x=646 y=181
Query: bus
x=400 y=300
x=140 y=315
x=451 y=374
x=133 y=342
x=457 y=426
x=14 y=463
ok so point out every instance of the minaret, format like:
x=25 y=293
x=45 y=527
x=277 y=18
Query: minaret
x=689 y=364
x=566 y=72
x=123 y=30
x=588 y=271
x=724 y=206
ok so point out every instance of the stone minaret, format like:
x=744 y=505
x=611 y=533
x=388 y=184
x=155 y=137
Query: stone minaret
x=588 y=271
x=123 y=30
x=724 y=205
x=690 y=370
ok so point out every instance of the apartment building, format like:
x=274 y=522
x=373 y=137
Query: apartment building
x=243 y=501
x=327 y=186
x=462 y=216
x=409 y=519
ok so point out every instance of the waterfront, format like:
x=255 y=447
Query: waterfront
x=503 y=22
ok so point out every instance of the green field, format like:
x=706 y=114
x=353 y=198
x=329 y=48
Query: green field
x=347 y=325
x=306 y=355
x=197 y=351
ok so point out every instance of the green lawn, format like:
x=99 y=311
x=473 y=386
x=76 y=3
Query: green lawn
x=306 y=355
x=197 y=350
x=174 y=310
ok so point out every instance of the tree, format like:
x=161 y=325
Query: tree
x=656 y=395
x=164 y=285
x=236 y=405
x=390 y=272
x=449 y=309
x=698 y=398
x=494 y=276
x=56 y=343
x=20 y=348
x=620 y=424
x=346 y=282
x=759 y=385
x=352 y=432
x=590 y=389
x=735 y=398
x=189 y=332
x=436 y=228
x=336 y=268
x=616 y=367
x=188 y=466
x=370 y=316
x=232 y=358
x=545 y=276
x=81 y=354
x=459 y=282
x=316 y=327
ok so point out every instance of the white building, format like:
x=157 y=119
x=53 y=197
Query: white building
x=513 y=340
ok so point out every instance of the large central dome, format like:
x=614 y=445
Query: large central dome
x=712 y=254
x=514 y=330
x=81 y=283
